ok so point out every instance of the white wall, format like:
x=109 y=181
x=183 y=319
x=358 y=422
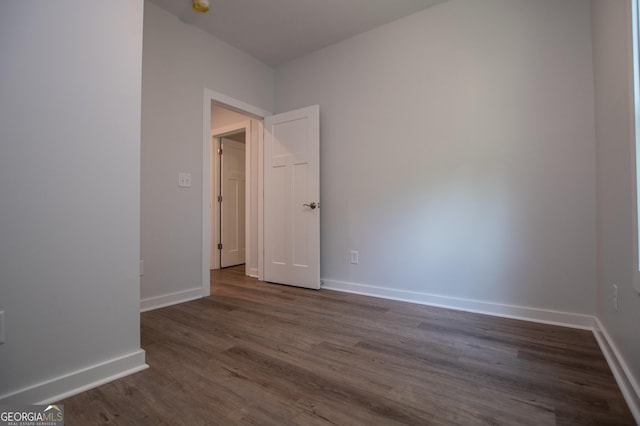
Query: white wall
x=615 y=174
x=458 y=152
x=179 y=61
x=69 y=184
x=221 y=117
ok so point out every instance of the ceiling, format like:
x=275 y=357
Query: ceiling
x=277 y=31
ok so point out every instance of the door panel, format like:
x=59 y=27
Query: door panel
x=291 y=181
x=233 y=190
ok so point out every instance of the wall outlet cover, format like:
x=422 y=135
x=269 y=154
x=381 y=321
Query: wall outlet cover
x=1 y=327
x=184 y=180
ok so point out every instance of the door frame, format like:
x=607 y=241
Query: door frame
x=250 y=110
x=216 y=219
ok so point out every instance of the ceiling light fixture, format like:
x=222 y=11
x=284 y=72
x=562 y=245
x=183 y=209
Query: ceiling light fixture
x=200 y=5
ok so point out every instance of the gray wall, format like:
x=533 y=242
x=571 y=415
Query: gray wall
x=179 y=61
x=615 y=137
x=458 y=152
x=69 y=188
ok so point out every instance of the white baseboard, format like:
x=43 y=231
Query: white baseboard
x=78 y=381
x=566 y=319
x=170 y=299
x=626 y=382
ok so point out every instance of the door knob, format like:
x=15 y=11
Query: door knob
x=312 y=206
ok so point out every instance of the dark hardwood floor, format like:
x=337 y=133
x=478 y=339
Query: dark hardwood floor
x=264 y=354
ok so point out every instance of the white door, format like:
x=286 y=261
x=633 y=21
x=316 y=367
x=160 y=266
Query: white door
x=232 y=203
x=292 y=198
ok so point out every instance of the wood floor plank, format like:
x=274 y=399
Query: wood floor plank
x=263 y=354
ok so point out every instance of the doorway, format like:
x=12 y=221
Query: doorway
x=234 y=207
x=297 y=129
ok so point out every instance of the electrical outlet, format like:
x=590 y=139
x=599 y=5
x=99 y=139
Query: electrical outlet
x=615 y=297
x=354 y=257
x=184 y=180
x=1 y=327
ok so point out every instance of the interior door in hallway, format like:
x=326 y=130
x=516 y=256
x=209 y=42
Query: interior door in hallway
x=232 y=203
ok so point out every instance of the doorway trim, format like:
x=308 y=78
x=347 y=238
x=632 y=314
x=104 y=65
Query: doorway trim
x=216 y=134
x=244 y=108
